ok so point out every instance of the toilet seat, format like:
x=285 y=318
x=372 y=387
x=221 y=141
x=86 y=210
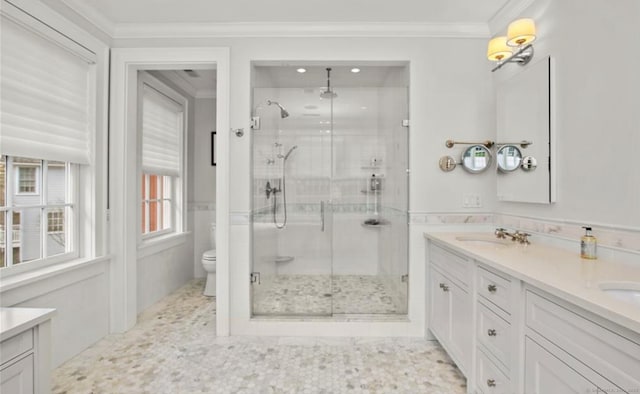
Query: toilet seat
x=209 y=255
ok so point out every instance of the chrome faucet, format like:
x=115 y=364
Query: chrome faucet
x=517 y=236
x=271 y=190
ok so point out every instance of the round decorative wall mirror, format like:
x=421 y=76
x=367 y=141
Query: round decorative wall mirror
x=476 y=158
x=509 y=158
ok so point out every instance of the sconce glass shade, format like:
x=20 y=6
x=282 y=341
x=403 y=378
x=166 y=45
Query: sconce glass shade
x=498 y=49
x=521 y=32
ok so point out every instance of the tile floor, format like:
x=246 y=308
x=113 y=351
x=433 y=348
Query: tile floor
x=327 y=294
x=174 y=349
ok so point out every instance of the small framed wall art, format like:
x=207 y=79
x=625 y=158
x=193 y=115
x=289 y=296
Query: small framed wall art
x=213 y=148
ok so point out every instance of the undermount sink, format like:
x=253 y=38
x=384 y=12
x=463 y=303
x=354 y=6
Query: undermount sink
x=623 y=291
x=486 y=241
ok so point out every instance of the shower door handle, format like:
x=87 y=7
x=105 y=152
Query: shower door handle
x=322 y=216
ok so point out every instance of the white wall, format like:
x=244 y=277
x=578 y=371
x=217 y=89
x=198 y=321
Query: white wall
x=202 y=202
x=204 y=173
x=80 y=296
x=598 y=122
x=450 y=97
x=160 y=274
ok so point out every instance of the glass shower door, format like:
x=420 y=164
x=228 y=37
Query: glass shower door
x=292 y=242
x=370 y=200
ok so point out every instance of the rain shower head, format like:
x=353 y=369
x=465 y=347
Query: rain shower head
x=328 y=94
x=283 y=112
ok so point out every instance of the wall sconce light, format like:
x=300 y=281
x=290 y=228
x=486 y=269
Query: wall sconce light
x=516 y=46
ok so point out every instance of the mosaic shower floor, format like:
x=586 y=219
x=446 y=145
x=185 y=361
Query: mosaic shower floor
x=326 y=295
x=174 y=349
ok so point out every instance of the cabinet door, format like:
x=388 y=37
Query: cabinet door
x=545 y=373
x=17 y=378
x=439 y=315
x=461 y=325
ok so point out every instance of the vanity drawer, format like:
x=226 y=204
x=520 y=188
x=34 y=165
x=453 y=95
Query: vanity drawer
x=455 y=265
x=15 y=346
x=494 y=333
x=489 y=377
x=495 y=288
x=609 y=350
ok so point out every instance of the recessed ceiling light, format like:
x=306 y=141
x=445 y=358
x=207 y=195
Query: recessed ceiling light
x=301 y=70
x=355 y=70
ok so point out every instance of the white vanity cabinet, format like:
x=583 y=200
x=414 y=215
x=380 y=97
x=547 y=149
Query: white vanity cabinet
x=25 y=350
x=520 y=321
x=450 y=309
x=495 y=334
x=565 y=344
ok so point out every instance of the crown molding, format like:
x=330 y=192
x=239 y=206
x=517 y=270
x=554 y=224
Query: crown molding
x=511 y=10
x=93 y=16
x=329 y=29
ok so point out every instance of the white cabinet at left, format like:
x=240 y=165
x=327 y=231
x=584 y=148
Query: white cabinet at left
x=450 y=309
x=25 y=350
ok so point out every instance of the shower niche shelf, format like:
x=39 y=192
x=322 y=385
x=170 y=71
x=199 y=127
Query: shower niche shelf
x=375 y=223
x=284 y=259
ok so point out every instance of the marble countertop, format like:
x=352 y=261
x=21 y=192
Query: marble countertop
x=16 y=320
x=557 y=271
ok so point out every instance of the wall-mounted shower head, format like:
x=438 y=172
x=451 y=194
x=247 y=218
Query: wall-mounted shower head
x=283 y=112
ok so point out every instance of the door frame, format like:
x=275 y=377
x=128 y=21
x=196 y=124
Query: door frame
x=125 y=63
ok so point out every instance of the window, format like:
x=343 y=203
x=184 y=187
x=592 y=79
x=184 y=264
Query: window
x=55 y=221
x=27 y=180
x=47 y=120
x=161 y=151
x=35 y=226
x=157 y=206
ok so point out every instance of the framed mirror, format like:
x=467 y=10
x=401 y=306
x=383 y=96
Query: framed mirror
x=525 y=112
x=508 y=158
x=476 y=158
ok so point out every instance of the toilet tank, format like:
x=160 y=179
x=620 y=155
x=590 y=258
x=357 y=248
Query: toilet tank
x=212 y=235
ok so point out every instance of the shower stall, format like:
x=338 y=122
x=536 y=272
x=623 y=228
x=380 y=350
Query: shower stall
x=330 y=190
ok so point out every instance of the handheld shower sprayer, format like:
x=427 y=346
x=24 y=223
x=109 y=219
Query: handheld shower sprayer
x=282 y=188
x=285 y=157
x=283 y=112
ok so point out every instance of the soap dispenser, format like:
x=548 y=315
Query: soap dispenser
x=588 y=245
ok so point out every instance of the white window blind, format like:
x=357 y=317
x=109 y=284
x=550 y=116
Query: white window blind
x=162 y=123
x=45 y=108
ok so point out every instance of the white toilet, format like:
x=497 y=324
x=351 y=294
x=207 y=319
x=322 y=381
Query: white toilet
x=209 y=264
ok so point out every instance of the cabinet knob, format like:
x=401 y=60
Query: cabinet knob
x=491 y=332
x=492 y=288
x=445 y=287
x=491 y=382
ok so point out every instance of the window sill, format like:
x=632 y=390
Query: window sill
x=9 y=282
x=161 y=243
